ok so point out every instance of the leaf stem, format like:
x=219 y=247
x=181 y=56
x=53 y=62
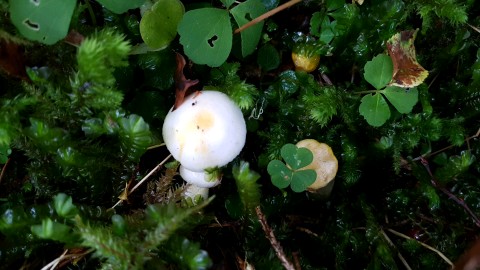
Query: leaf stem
x=266 y=15
x=369 y=92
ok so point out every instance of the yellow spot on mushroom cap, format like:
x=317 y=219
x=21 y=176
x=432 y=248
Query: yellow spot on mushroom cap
x=324 y=162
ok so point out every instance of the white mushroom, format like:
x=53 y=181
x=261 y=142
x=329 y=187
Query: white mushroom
x=205 y=132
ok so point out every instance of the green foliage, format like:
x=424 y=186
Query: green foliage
x=225 y=79
x=292 y=173
x=5 y=151
x=82 y=118
x=244 y=13
x=206 y=45
x=121 y=6
x=34 y=18
x=247 y=186
x=374 y=107
x=206 y=33
x=98 y=57
x=379 y=71
x=268 y=57
x=158 y=25
x=452 y=10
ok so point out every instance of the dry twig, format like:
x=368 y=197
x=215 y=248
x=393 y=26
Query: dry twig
x=4 y=169
x=273 y=240
x=266 y=15
x=423 y=244
x=128 y=192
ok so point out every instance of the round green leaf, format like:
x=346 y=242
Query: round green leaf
x=244 y=13
x=302 y=179
x=403 y=100
x=206 y=35
x=296 y=157
x=281 y=175
x=158 y=26
x=121 y=6
x=374 y=109
x=379 y=71
x=46 y=21
x=268 y=57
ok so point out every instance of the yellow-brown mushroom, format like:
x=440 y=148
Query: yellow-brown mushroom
x=324 y=163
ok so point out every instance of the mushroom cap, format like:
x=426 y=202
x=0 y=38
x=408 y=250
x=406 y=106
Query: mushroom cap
x=324 y=162
x=206 y=131
x=199 y=179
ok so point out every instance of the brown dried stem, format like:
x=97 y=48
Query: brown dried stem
x=266 y=15
x=4 y=169
x=452 y=196
x=273 y=240
x=182 y=84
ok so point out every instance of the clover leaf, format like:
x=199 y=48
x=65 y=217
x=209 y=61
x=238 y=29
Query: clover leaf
x=292 y=173
x=379 y=71
x=374 y=107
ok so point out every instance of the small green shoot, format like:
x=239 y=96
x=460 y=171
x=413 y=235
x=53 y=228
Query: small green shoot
x=292 y=173
x=374 y=108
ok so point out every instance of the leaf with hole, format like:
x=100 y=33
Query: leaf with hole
x=403 y=100
x=158 y=26
x=206 y=45
x=121 y=6
x=244 y=13
x=374 y=109
x=379 y=71
x=296 y=157
x=46 y=21
x=281 y=174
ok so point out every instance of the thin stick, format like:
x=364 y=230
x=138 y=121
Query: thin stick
x=53 y=264
x=474 y=28
x=400 y=256
x=423 y=244
x=467 y=140
x=452 y=196
x=266 y=15
x=4 y=169
x=273 y=240
x=143 y=180
x=155 y=146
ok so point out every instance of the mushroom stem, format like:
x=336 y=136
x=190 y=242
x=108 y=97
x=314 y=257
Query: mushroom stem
x=193 y=191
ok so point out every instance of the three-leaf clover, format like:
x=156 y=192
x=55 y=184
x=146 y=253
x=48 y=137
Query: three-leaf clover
x=374 y=107
x=291 y=173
